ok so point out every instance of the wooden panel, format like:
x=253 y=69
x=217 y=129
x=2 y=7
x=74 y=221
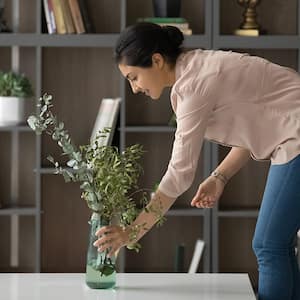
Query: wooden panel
x=5 y=59
x=277 y=17
x=194 y=12
x=64 y=226
x=5 y=238
x=105 y=15
x=159 y=245
x=235 y=247
x=158 y=147
x=27 y=243
x=80 y=79
x=5 y=173
x=27 y=16
x=27 y=155
x=138 y=9
x=8 y=13
x=282 y=57
x=245 y=189
x=142 y=110
x=27 y=21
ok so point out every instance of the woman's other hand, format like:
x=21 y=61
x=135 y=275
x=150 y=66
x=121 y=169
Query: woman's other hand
x=208 y=193
x=111 y=238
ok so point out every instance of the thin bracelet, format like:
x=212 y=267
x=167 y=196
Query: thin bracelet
x=220 y=176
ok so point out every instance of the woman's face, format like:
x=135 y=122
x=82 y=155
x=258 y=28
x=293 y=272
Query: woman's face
x=150 y=81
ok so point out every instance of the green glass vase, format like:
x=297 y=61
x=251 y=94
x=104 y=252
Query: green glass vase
x=100 y=269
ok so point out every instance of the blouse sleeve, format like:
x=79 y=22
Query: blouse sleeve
x=193 y=112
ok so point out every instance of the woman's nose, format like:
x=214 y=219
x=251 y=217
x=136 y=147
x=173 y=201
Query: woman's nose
x=135 y=88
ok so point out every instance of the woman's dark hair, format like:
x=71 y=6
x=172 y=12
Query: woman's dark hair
x=138 y=42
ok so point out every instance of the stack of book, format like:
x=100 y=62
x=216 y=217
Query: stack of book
x=181 y=23
x=67 y=16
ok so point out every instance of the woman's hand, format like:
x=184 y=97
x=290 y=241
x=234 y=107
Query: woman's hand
x=208 y=193
x=111 y=238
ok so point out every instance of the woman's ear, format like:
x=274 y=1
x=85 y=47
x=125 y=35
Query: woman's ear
x=158 y=60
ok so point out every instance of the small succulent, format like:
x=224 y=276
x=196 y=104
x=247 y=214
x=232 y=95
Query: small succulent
x=15 y=85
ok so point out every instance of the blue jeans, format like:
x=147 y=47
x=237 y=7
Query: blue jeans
x=275 y=234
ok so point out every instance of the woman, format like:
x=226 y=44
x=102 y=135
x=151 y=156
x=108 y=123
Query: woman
x=242 y=101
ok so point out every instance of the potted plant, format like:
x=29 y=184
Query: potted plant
x=106 y=176
x=14 y=89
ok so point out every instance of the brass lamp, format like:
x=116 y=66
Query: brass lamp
x=249 y=26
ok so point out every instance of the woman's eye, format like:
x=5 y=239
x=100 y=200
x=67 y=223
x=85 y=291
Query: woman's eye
x=134 y=79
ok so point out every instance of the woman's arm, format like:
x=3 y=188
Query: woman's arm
x=114 y=237
x=158 y=206
x=211 y=189
x=233 y=162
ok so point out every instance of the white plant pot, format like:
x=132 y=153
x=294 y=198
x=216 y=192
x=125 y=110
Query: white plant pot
x=12 y=111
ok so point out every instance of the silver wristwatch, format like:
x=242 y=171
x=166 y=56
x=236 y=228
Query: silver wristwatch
x=220 y=176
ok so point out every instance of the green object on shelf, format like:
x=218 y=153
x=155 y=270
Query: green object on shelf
x=15 y=85
x=100 y=269
x=163 y=20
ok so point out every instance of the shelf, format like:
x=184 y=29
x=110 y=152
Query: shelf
x=196 y=41
x=148 y=129
x=260 y=42
x=19 y=210
x=80 y=40
x=23 y=128
x=245 y=213
x=182 y=212
x=57 y=40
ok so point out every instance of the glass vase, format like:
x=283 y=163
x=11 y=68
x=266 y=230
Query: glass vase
x=100 y=269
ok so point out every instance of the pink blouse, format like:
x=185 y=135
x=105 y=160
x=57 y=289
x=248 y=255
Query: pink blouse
x=236 y=100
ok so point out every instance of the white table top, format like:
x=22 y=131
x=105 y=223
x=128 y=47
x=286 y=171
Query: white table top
x=130 y=286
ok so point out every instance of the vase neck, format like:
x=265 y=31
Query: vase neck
x=97 y=217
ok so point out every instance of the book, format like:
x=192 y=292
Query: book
x=162 y=20
x=106 y=117
x=76 y=16
x=52 y=17
x=88 y=25
x=59 y=17
x=180 y=23
x=49 y=15
x=67 y=16
x=198 y=250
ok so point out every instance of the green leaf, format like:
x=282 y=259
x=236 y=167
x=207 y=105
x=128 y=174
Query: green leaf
x=51 y=159
x=71 y=163
x=106 y=269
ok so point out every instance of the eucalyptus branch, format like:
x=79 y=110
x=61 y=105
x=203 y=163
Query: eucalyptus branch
x=106 y=175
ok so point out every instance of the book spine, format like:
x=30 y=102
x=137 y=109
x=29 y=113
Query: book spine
x=181 y=26
x=76 y=15
x=85 y=16
x=163 y=20
x=59 y=17
x=52 y=18
x=67 y=16
x=187 y=31
x=47 y=15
